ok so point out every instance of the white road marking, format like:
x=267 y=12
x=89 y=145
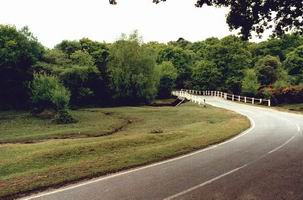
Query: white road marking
x=145 y=167
x=232 y=171
x=203 y=184
x=227 y=173
x=298 y=128
x=282 y=145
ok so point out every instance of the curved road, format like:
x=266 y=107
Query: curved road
x=265 y=162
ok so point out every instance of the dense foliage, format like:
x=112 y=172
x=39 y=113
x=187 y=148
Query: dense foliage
x=129 y=71
x=132 y=71
x=48 y=92
x=19 y=51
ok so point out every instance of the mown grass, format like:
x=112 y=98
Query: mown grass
x=22 y=127
x=27 y=167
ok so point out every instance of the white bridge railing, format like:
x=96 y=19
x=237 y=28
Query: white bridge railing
x=193 y=95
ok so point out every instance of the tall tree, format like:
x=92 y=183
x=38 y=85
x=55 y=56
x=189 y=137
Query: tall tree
x=19 y=50
x=182 y=59
x=232 y=57
x=168 y=75
x=132 y=71
x=206 y=76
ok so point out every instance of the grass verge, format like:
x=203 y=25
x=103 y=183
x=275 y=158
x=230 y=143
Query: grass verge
x=28 y=167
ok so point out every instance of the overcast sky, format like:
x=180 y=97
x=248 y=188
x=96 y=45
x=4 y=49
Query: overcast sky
x=55 y=20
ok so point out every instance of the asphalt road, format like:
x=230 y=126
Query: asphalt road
x=265 y=162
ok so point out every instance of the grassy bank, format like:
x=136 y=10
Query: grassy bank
x=151 y=134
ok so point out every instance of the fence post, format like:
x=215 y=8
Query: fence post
x=244 y=99
x=233 y=97
x=253 y=101
x=269 y=103
x=239 y=98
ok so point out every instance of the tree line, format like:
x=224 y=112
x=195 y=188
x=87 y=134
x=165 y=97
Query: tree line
x=130 y=72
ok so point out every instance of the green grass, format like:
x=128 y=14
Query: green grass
x=22 y=127
x=26 y=167
x=161 y=101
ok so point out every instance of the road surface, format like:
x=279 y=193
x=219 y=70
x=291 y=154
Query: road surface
x=264 y=162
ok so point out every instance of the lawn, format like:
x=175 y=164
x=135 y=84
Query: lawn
x=105 y=140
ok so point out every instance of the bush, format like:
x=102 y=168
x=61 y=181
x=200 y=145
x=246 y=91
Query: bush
x=291 y=94
x=63 y=117
x=49 y=93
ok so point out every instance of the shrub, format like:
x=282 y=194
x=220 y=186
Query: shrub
x=290 y=94
x=49 y=93
x=63 y=117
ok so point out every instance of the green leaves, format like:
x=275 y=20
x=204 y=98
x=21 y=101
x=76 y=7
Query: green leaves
x=168 y=75
x=206 y=75
x=18 y=52
x=294 y=64
x=267 y=70
x=250 y=83
x=132 y=71
x=49 y=92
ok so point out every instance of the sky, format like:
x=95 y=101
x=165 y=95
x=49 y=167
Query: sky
x=52 y=21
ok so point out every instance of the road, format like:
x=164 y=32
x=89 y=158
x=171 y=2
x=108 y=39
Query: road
x=264 y=162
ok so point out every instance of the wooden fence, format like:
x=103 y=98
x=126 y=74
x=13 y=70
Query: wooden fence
x=192 y=95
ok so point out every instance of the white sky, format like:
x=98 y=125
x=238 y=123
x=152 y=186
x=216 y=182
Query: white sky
x=55 y=20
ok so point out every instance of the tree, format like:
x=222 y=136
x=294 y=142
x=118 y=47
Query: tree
x=19 y=50
x=82 y=58
x=257 y=16
x=294 y=64
x=82 y=66
x=250 y=84
x=278 y=46
x=231 y=57
x=206 y=76
x=182 y=59
x=68 y=47
x=132 y=71
x=168 y=75
x=267 y=70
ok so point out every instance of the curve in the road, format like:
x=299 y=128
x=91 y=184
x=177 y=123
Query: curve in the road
x=264 y=162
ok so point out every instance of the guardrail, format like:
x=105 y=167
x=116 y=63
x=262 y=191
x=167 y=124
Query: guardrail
x=190 y=95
